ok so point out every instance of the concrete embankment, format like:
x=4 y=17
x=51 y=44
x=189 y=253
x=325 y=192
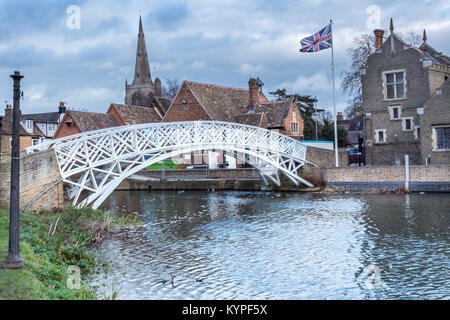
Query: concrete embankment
x=218 y=179
x=383 y=178
x=390 y=178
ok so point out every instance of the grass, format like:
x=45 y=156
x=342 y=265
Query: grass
x=170 y=165
x=50 y=243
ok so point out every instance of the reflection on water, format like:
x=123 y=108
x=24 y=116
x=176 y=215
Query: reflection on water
x=261 y=245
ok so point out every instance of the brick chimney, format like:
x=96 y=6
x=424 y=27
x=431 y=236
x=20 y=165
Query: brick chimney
x=378 y=38
x=62 y=107
x=340 y=116
x=8 y=111
x=253 y=95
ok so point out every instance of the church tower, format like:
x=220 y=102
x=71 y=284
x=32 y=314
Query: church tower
x=141 y=91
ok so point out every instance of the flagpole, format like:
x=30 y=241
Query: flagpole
x=336 y=154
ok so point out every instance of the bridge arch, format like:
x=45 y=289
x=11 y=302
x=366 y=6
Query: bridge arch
x=95 y=163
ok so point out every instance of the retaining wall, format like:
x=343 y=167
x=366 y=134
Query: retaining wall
x=37 y=172
x=421 y=178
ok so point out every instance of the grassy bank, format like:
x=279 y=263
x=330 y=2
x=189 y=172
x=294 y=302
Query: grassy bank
x=50 y=243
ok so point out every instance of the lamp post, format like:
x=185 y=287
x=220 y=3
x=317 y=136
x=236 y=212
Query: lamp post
x=13 y=261
x=316 y=118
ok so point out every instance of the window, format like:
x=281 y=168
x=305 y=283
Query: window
x=408 y=124
x=395 y=112
x=294 y=116
x=294 y=127
x=441 y=138
x=27 y=124
x=394 y=85
x=380 y=135
x=417 y=132
x=34 y=141
x=51 y=127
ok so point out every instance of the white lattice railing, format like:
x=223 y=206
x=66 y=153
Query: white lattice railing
x=99 y=160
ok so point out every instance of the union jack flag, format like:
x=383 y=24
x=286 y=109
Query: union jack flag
x=318 y=41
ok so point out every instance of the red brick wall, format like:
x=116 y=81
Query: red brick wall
x=190 y=111
x=64 y=130
x=289 y=119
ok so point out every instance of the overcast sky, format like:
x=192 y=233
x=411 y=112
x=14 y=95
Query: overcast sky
x=220 y=42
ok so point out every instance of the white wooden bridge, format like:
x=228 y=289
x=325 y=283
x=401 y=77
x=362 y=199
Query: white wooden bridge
x=95 y=163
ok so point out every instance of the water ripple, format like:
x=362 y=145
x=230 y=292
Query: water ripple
x=259 y=245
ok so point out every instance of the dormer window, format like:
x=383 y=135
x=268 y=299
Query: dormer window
x=27 y=124
x=394 y=84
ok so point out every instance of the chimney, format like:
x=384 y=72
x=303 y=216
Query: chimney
x=62 y=108
x=8 y=111
x=158 y=88
x=378 y=38
x=253 y=95
x=340 y=116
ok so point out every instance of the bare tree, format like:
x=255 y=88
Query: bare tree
x=413 y=38
x=364 y=46
x=170 y=88
x=354 y=107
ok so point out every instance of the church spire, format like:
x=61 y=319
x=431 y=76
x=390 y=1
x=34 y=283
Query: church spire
x=424 y=37
x=142 y=70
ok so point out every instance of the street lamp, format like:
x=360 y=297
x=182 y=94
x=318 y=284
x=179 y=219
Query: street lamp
x=14 y=261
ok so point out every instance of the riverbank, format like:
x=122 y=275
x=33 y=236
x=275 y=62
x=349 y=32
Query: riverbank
x=50 y=244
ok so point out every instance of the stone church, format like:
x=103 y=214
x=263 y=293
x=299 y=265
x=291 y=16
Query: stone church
x=142 y=90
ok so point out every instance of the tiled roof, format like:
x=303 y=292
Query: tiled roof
x=52 y=117
x=136 y=115
x=163 y=102
x=222 y=103
x=88 y=121
x=252 y=119
x=276 y=112
x=7 y=128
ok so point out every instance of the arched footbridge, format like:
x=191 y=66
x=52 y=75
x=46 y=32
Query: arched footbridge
x=95 y=163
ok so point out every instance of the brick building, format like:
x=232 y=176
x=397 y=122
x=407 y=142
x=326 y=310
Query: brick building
x=75 y=122
x=354 y=128
x=398 y=81
x=28 y=136
x=34 y=128
x=435 y=124
x=128 y=115
x=200 y=101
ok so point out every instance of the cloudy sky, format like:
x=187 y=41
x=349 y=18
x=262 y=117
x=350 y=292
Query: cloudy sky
x=221 y=42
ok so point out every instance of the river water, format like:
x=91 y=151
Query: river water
x=269 y=245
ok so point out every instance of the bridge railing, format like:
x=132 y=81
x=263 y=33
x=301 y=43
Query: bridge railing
x=192 y=132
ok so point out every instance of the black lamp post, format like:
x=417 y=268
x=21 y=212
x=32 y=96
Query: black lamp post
x=13 y=261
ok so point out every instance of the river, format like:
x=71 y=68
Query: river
x=270 y=245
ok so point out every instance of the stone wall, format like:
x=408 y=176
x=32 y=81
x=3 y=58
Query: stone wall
x=37 y=172
x=436 y=113
x=326 y=158
x=421 y=82
x=246 y=173
x=422 y=178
